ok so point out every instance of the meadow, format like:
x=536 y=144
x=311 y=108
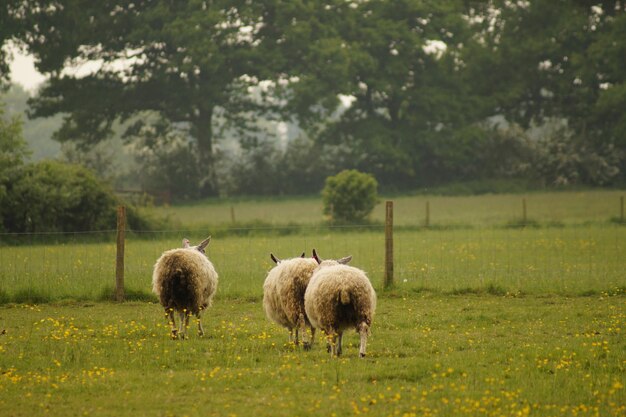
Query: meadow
x=485 y=317
x=490 y=210
x=539 y=261
x=429 y=355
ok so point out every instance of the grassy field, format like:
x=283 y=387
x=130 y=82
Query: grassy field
x=560 y=208
x=566 y=261
x=483 y=320
x=429 y=355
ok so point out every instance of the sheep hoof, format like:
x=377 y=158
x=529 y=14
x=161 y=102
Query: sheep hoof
x=174 y=334
x=306 y=346
x=361 y=355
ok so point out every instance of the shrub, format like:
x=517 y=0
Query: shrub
x=52 y=196
x=350 y=196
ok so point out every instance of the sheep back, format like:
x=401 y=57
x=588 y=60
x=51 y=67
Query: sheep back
x=284 y=288
x=339 y=297
x=184 y=279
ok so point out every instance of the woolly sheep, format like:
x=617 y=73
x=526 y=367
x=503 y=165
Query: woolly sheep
x=283 y=296
x=339 y=297
x=185 y=281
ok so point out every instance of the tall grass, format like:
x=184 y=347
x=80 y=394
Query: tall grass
x=571 y=260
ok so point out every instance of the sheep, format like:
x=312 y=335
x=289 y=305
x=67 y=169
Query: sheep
x=339 y=297
x=283 y=296
x=185 y=281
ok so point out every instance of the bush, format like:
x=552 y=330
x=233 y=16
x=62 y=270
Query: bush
x=52 y=196
x=350 y=196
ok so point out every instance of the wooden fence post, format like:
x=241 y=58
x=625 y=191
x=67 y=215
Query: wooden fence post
x=621 y=217
x=524 y=218
x=119 y=261
x=427 y=221
x=232 y=214
x=388 y=281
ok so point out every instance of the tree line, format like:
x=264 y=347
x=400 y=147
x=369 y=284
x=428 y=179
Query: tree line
x=417 y=93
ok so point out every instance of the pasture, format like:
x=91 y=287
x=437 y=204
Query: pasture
x=484 y=319
x=552 y=208
x=566 y=261
x=429 y=355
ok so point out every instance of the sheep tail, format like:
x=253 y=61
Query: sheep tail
x=344 y=296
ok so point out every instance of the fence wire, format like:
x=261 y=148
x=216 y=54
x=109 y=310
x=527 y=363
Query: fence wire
x=572 y=260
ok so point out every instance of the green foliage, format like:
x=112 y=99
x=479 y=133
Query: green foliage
x=423 y=80
x=50 y=196
x=167 y=161
x=13 y=152
x=37 y=132
x=558 y=60
x=54 y=197
x=13 y=148
x=350 y=196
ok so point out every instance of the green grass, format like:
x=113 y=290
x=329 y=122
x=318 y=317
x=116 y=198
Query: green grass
x=566 y=261
x=429 y=355
x=544 y=208
x=486 y=318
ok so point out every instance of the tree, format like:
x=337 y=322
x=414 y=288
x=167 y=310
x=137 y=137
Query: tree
x=556 y=59
x=13 y=152
x=350 y=196
x=401 y=65
x=186 y=61
x=10 y=29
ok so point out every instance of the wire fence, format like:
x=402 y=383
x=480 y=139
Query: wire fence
x=579 y=260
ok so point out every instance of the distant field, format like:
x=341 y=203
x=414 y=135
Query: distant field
x=429 y=355
x=563 y=208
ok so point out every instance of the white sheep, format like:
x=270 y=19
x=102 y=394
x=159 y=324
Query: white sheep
x=339 y=297
x=283 y=296
x=185 y=281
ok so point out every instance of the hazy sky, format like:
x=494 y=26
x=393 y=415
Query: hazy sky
x=23 y=71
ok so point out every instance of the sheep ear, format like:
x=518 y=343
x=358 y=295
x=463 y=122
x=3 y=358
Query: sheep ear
x=302 y=256
x=275 y=259
x=185 y=243
x=317 y=258
x=345 y=260
x=204 y=244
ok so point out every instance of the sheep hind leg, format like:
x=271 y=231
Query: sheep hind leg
x=332 y=343
x=184 y=323
x=297 y=339
x=363 y=332
x=169 y=312
x=200 y=328
x=301 y=324
x=339 y=341
x=309 y=344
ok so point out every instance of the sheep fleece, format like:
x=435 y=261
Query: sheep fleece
x=283 y=290
x=184 y=279
x=339 y=297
